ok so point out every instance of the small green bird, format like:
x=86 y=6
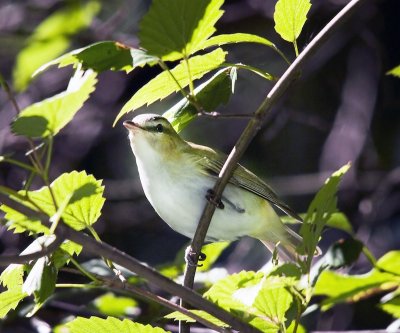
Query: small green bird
x=177 y=176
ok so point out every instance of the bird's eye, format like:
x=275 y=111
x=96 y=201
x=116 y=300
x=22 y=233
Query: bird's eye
x=159 y=128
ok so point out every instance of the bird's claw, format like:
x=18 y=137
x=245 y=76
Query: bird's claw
x=210 y=196
x=192 y=258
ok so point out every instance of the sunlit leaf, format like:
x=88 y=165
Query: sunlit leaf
x=109 y=325
x=319 y=212
x=392 y=307
x=9 y=300
x=233 y=39
x=51 y=38
x=62 y=255
x=289 y=17
x=164 y=84
x=84 y=208
x=102 y=56
x=394 y=71
x=390 y=262
x=209 y=95
x=173 y=29
x=180 y=316
x=12 y=276
x=49 y=116
x=117 y=306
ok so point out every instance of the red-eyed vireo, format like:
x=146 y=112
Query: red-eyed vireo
x=177 y=176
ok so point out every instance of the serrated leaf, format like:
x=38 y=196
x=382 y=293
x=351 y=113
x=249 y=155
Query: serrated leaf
x=273 y=300
x=205 y=315
x=117 y=306
x=109 y=325
x=62 y=255
x=173 y=29
x=9 y=300
x=319 y=212
x=289 y=17
x=225 y=291
x=210 y=94
x=394 y=71
x=235 y=38
x=12 y=277
x=49 y=116
x=83 y=209
x=51 y=38
x=163 y=84
x=102 y=56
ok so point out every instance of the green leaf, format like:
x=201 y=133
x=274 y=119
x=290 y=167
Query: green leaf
x=394 y=71
x=209 y=95
x=319 y=212
x=9 y=300
x=289 y=17
x=233 y=39
x=62 y=255
x=102 y=56
x=51 y=38
x=83 y=209
x=117 y=306
x=390 y=262
x=173 y=29
x=205 y=315
x=392 y=307
x=109 y=325
x=351 y=288
x=343 y=253
x=49 y=116
x=12 y=277
x=273 y=300
x=163 y=84
x=340 y=221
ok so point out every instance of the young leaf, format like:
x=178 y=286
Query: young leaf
x=233 y=39
x=109 y=325
x=102 y=56
x=164 y=84
x=289 y=17
x=209 y=95
x=83 y=209
x=12 y=277
x=205 y=315
x=62 y=255
x=392 y=307
x=319 y=212
x=394 y=71
x=9 y=300
x=49 y=116
x=173 y=29
x=117 y=306
x=51 y=38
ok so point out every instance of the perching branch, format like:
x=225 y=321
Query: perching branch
x=254 y=126
x=102 y=249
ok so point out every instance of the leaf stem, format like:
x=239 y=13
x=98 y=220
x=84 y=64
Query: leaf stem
x=253 y=69
x=296 y=50
x=83 y=271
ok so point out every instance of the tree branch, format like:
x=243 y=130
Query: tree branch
x=254 y=126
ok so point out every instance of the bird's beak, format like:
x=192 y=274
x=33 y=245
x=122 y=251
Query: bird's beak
x=130 y=125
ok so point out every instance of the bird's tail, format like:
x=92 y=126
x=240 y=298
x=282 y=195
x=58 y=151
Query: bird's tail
x=287 y=245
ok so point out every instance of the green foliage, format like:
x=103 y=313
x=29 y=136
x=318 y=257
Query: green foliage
x=117 y=306
x=289 y=17
x=392 y=306
x=171 y=81
x=394 y=71
x=341 y=288
x=51 y=38
x=205 y=315
x=9 y=300
x=109 y=325
x=169 y=38
x=102 y=56
x=12 y=276
x=209 y=95
x=48 y=117
x=319 y=212
x=84 y=207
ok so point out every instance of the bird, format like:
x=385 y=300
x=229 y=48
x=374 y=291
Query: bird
x=177 y=177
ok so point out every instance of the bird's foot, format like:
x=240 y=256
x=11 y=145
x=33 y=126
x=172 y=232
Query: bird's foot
x=192 y=258
x=210 y=196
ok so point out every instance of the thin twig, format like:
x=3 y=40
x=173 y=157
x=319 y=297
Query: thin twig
x=254 y=126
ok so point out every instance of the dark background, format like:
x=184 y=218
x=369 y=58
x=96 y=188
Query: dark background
x=343 y=108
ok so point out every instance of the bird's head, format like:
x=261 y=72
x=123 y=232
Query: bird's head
x=152 y=134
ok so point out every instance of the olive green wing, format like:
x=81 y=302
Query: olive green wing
x=211 y=164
